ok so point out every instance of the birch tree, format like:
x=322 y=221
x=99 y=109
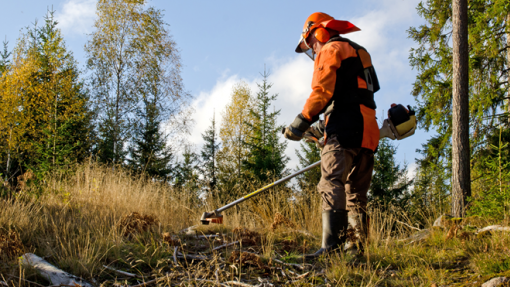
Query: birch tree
x=112 y=51
x=162 y=97
x=234 y=133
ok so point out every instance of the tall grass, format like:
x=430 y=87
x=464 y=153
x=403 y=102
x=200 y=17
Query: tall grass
x=75 y=224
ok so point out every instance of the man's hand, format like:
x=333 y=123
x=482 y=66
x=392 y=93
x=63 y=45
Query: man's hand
x=296 y=130
x=288 y=134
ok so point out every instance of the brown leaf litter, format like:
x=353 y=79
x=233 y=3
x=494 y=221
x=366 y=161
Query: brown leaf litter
x=280 y=220
x=170 y=239
x=246 y=258
x=246 y=236
x=136 y=223
x=10 y=244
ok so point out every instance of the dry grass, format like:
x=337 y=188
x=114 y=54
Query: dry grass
x=106 y=217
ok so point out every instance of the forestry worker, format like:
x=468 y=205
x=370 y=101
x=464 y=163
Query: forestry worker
x=343 y=87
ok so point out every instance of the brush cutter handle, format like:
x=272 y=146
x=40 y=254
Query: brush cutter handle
x=217 y=211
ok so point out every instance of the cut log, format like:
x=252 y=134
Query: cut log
x=52 y=273
x=494 y=228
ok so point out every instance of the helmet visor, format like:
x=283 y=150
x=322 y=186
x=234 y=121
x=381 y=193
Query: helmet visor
x=303 y=47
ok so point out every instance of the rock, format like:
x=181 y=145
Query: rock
x=442 y=221
x=53 y=274
x=494 y=282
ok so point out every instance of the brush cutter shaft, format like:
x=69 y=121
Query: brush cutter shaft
x=266 y=187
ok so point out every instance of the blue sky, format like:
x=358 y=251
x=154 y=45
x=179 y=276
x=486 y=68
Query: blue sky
x=223 y=42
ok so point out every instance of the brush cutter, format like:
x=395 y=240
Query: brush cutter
x=216 y=216
x=405 y=126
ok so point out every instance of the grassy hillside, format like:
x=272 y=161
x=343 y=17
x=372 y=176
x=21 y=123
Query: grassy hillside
x=103 y=217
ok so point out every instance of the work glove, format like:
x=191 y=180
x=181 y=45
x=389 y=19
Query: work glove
x=296 y=130
x=290 y=135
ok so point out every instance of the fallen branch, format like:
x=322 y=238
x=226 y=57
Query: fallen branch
x=237 y=283
x=207 y=281
x=298 y=266
x=194 y=257
x=207 y=236
x=175 y=255
x=297 y=275
x=225 y=245
x=121 y=272
x=410 y=226
x=3 y=283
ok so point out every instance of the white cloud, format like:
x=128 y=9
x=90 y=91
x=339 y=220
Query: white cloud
x=77 y=16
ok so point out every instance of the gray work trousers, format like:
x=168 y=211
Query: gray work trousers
x=346 y=176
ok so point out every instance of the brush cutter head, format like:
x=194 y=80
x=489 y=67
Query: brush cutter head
x=211 y=217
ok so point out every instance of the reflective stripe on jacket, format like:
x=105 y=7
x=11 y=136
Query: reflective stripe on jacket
x=343 y=86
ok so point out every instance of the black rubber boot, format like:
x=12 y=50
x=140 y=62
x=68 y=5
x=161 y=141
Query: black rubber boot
x=357 y=232
x=334 y=227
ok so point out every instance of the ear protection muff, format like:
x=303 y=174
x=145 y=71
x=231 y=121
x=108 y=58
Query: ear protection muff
x=322 y=34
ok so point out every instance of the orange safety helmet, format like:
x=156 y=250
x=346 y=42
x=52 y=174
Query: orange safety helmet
x=317 y=23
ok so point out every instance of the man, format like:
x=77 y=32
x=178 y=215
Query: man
x=343 y=87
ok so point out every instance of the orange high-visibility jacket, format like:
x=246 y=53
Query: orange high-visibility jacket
x=344 y=83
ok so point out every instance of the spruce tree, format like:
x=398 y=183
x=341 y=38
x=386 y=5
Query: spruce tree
x=309 y=154
x=266 y=159
x=389 y=181
x=55 y=120
x=208 y=155
x=4 y=58
x=186 y=171
x=149 y=153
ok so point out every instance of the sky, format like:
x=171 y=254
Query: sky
x=224 y=42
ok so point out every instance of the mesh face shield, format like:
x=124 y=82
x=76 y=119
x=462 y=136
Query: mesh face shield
x=303 y=47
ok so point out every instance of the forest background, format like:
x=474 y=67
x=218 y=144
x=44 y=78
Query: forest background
x=127 y=103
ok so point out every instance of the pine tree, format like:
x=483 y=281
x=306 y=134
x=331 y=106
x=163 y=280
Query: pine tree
x=266 y=158
x=208 y=155
x=461 y=178
x=309 y=180
x=389 y=181
x=488 y=66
